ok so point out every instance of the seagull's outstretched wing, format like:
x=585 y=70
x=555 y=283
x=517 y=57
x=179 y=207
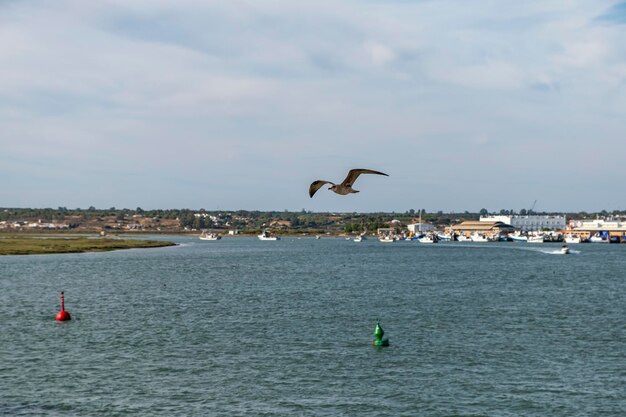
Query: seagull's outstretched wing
x=353 y=174
x=316 y=185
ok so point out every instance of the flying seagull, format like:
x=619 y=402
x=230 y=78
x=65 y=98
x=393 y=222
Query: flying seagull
x=346 y=186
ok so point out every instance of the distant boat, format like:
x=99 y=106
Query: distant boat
x=444 y=237
x=518 y=237
x=479 y=238
x=536 y=239
x=463 y=238
x=429 y=238
x=360 y=238
x=572 y=239
x=267 y=235
x=564 y=250
x=386 y=239
x=209 y=236
x=599 y=238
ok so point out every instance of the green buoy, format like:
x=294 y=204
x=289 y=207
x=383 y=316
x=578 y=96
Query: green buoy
x=378 y=336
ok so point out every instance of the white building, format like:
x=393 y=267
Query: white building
x=597 y=224
x=416 y=227
x=530 y=222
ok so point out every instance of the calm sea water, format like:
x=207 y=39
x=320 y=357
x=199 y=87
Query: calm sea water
x=243 y=327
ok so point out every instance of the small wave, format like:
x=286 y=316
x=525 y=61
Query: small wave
x=558 y=252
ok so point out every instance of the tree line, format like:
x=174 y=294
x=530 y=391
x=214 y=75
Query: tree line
x=254 y=219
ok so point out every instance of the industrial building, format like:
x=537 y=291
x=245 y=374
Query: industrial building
x=530 y=222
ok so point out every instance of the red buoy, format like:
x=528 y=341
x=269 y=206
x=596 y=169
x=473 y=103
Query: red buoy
x=63 y=315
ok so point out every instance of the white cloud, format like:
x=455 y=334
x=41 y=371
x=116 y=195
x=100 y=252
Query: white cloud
x=307 y=86
x=379 y=53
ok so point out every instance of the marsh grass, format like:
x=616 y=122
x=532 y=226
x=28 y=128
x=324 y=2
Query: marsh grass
x=11 y=245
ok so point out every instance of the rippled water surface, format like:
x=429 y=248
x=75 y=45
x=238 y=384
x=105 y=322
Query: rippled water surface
x=243 y=327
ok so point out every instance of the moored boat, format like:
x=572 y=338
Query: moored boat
x=572 y=239
x=518 y=237
x=446 y=237
x=360 y=238
x=429 y=238
x=478 y=238
x=599 y=238
x=209 y=236
x=267 y=235
x=386 y=239
x=536 y=239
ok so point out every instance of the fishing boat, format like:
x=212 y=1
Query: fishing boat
x=267 y=235
x=446 y=237
x=572 y=239
x=599 y=238
x=536 y=239
x=386 y=239
x=209 y=236
x=478 y=238
x=360 y=238
x=518 y=237
x=429 y=238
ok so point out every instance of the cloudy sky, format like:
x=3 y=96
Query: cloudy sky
x=241 y=104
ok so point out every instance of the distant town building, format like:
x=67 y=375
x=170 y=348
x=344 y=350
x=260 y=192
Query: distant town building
x=280 y=223
x=597 y=225
x=484 y=227
x=213 y=218
x=417 y=227
x=530 y=222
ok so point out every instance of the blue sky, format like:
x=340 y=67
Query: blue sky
x=242 y=104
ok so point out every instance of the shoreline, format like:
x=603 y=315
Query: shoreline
x=43 y=245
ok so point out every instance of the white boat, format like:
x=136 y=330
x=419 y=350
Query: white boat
x=444 y=237
x=598 y=238
x=478 y=238
x=386 y=239
x=463 y=238
x=429 y=238
x=360 y=238
x=572 y=239
x=564 y=250
x=536 y=239
x=518 y=237
x=267 y=235
x=209 y=236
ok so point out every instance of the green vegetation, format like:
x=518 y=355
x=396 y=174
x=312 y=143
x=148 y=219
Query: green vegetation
x=246 y=222
x=36 y=245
